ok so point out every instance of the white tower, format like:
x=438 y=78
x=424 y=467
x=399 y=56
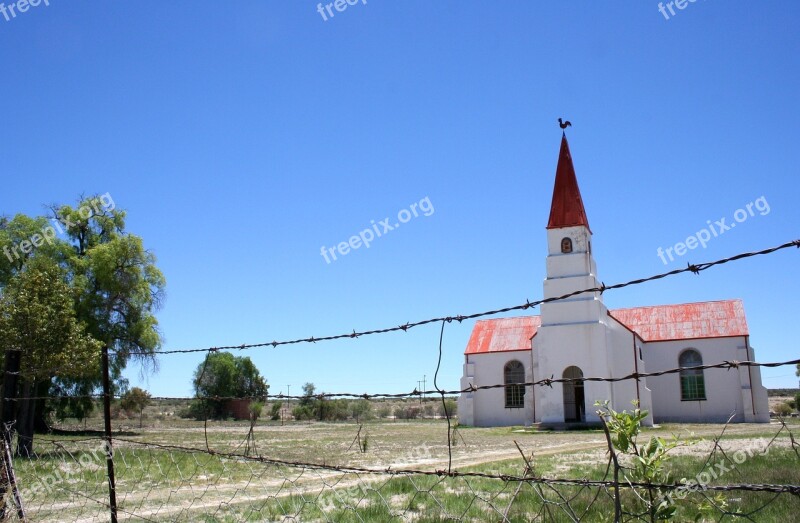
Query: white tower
x=577 y=337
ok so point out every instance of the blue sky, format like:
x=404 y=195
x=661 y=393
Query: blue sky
x=243 y=137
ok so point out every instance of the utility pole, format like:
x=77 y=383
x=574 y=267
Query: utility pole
x=423 y=386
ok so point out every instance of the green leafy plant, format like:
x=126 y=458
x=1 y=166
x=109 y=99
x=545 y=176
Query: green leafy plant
x=646 y=463
x=275 y=411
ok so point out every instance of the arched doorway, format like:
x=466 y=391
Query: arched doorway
x=574 y=398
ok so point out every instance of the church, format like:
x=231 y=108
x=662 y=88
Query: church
x=579 y=337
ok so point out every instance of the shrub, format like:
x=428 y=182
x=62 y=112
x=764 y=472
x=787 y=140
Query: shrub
x=332 y=410
x=303 y=412
x=275 y=411
x=197 y=409
x=361 y=410
x=407 y=412
x=783 y=409
x=452 y=408
x=255 y=409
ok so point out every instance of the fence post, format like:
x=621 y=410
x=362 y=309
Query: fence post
x=7 y=420
x=112 y=492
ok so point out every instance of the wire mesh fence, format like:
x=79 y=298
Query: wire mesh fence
x=411 y=470
x=66 y=479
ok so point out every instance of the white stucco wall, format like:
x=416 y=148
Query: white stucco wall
x=558 y=347
x=601 y=349
x=486 y=408
x=727 y=391
x=623 y=351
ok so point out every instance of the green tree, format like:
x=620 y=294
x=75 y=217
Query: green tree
x=37 y=319
x=118 y=290
x=308 y=398
x=135 y=400
x=115 y=289
x=223 y=375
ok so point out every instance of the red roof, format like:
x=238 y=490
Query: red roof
x=711 y=319
x=503 y=334
x=566 y=209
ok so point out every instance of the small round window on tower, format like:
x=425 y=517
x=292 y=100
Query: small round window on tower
x=566 y=245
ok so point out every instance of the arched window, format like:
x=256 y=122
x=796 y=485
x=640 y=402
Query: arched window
x=566 y=245
x=514 y=374
x=693 y=385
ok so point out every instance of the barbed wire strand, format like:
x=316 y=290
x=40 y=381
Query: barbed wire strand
x=693 y=268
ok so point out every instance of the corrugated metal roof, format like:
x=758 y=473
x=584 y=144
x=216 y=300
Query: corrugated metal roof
x=711 y=319
x=566 y=209
x=502 y=334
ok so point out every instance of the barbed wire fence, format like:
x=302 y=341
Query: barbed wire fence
x=403 y=472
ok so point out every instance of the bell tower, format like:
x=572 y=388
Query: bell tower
x=571 y=342
x=570 y=265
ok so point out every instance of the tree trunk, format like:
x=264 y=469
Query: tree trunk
x=27 y=410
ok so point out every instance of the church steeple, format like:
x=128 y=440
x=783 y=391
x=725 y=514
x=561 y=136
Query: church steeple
x=566 y=209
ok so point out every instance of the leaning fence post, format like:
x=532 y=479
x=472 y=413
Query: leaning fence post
x=112 y=492
x=8 y=407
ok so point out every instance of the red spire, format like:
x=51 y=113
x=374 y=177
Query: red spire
x=567 y=207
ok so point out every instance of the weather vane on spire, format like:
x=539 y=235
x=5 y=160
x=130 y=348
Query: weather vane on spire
x=564 y=124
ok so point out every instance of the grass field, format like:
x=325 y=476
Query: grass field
x=155 y=482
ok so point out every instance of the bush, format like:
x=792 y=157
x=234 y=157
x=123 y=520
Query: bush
x=783 y=409
x=255 y=409
x=452 y=408
x=303 y=412
x=797 y=401
x=384 y=411
x=407 y=412
x=275 y=411
x=361 y=410
x=196 y=410
x=332 y=410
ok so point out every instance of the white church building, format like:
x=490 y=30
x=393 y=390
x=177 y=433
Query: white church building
x=579 y=337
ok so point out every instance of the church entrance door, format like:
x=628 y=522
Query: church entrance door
x=574 y=398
